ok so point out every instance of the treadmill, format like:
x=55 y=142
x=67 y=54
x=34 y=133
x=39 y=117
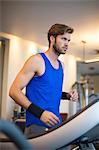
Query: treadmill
x=81 y=130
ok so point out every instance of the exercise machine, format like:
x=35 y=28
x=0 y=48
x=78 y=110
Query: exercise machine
x=78 y=129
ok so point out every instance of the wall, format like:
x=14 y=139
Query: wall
x=69 y=62
x=0 y=75
x=96 y=83
x=0 y=16
x=5 y=77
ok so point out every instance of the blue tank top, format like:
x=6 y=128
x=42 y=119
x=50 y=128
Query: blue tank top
x=45 y=91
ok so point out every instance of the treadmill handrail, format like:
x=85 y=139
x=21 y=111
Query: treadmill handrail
x=15 y=135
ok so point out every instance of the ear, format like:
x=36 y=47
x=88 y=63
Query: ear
x=52 y=39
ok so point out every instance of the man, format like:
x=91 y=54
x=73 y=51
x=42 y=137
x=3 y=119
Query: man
x=42 y=75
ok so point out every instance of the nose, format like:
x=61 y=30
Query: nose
x=66 y=43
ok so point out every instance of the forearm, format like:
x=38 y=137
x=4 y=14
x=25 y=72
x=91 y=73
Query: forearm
x=18 y=96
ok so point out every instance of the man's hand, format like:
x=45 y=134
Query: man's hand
x=73 y=95
x=49 y=118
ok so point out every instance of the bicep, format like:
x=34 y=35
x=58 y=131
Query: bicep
x=22 y=79
x=24 y=76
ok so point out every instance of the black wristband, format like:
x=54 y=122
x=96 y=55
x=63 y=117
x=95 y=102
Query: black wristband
x=65 y=95
x=35 y=110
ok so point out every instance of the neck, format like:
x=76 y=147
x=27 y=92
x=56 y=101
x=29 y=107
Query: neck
x=52 y=54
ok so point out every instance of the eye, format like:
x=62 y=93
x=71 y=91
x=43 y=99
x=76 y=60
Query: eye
x=65 y=39
x=68 y=40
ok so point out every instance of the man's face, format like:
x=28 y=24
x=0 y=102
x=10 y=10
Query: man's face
x=61 y=43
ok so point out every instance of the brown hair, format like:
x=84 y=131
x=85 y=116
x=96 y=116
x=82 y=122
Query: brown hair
x=58 y=29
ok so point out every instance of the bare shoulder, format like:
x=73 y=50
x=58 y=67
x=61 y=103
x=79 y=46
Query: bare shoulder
x=34 y=63
x=36 y=59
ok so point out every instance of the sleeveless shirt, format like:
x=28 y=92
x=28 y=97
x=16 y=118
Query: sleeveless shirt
x=45 y=91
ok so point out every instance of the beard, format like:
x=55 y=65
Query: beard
x=57 y=50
